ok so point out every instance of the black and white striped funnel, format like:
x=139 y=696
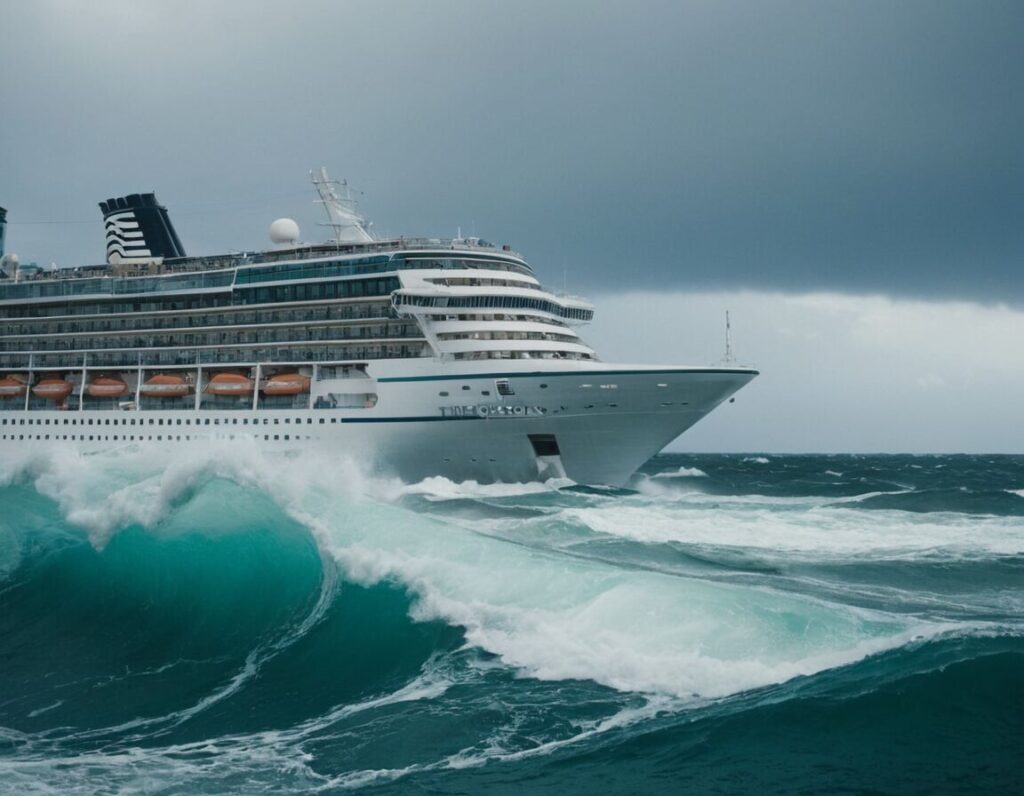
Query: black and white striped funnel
x=138 y=230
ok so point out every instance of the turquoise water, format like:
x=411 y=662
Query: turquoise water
x=230 y=623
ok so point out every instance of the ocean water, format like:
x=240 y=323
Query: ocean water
x=229 y=622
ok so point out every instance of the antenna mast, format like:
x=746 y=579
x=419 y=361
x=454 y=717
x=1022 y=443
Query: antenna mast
x=342 y=217
x=728 y=340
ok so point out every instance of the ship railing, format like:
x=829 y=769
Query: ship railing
x=234 y=260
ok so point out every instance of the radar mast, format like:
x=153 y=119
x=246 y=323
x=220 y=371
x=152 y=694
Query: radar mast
x=342 y=217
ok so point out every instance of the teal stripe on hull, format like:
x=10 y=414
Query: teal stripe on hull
x=541 y=374
x=426 y=419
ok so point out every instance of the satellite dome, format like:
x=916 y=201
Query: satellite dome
x=284 y=230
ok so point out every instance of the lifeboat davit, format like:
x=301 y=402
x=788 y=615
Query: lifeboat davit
x=12 y=387
x=286 y=384
x=230 y=384
x=54 y=388
x=166 y=385
x=106 y=387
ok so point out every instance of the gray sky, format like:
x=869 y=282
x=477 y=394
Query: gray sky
x=856 y=146
x=839 y=372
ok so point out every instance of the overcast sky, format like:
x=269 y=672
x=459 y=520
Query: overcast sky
x=865 y=146
x=839 y=372
x=807 y=163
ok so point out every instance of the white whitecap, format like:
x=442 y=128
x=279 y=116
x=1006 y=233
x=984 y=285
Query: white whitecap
x=683 y=472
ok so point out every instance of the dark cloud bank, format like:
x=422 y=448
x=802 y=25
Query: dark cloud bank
x=867 y=146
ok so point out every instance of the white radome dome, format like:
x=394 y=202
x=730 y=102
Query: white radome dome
x=284 y=230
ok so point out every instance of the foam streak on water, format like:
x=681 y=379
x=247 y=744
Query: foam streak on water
x=218 y=621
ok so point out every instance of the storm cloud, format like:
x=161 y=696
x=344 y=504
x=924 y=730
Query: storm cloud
x=861 y=147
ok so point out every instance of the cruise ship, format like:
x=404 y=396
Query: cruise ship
x=418 y=357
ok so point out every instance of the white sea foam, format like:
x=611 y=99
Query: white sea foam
x=440 y=488
x=556 y=618
x=757 y=459
x=822 y=531
x=683 y=472
x=1017 y=492
x=549 y=615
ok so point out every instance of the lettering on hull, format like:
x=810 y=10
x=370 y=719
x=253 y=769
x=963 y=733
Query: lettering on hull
x=493 y=410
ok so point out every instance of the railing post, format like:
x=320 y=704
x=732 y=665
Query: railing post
x=138 y=386
x=81 y=387
x=28 y=387
x=199 y=380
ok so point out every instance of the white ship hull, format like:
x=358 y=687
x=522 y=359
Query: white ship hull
x=591 y=422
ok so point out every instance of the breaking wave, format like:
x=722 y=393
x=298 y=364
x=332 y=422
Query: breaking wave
x=241 y=622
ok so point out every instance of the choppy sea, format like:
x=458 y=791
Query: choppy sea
x=228 y=622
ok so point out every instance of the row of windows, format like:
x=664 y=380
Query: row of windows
x=201 y=319
x=314 y=270
x=505 y=302
x=521 y=355
x=562 y=338
x=331 y=351
x=159 y=421
x=145 y=437
x=355 y=288
x=458 y=263
x=243 y=294
x=496 y=316
x=278 y=334
x=70 y=286
x=466 y=281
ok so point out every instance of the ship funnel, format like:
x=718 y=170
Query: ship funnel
x=138 y=230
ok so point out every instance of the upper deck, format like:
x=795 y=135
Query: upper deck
x=223 y=272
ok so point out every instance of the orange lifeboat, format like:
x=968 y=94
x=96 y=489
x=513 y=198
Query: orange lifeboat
x=12 y=387
x=54 y=388
x=106 y=387
x=232 y=384
x=166 y=385
x=286 y=384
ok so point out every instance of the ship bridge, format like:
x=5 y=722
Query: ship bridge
x=489 y=314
